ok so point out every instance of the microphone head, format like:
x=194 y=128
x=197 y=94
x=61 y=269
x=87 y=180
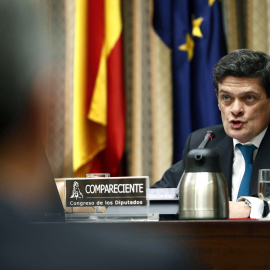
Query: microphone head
x=211 y=134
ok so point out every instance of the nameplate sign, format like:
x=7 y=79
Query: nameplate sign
x=113 y=191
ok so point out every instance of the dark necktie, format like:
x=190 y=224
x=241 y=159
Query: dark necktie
x=247 y=152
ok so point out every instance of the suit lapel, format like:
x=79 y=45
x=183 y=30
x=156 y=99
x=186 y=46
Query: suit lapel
x=223 y=144
x=262 y=161
x=226 y=146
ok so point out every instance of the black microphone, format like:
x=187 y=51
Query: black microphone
x=209 y=136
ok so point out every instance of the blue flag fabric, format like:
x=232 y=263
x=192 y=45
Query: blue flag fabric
x=193 y=29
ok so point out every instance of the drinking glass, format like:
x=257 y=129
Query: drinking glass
x=264 y=186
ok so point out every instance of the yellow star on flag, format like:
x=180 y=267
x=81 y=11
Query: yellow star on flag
x=188 y=46
x=196 y=31
x=211 y=2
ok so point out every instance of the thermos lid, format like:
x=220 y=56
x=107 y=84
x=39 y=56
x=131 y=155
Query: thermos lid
x=203 y=160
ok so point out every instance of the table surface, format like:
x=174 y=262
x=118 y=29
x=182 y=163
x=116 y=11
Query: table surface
x=204 y=244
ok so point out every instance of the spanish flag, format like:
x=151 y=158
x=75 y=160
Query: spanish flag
x=99 y=102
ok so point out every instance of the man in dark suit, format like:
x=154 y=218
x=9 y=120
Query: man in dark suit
x=242 y=83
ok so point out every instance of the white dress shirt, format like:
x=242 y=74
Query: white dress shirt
x=257 y=205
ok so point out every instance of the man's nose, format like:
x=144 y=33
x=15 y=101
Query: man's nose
x=237 y=107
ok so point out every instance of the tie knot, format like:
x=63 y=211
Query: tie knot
x=247 y=152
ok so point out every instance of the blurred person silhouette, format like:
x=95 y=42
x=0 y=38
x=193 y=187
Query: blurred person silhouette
x=24 y=56
x=23 y=169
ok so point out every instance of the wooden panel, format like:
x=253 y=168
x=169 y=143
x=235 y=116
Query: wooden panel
x=193 y=244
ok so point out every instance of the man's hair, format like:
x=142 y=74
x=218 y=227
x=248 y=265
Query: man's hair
x=244 y=63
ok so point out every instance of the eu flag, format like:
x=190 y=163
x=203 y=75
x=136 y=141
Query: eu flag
x=193 y=30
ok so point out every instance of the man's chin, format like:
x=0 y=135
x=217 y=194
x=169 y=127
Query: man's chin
x=238 y=135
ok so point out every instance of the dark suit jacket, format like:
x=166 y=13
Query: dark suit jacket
x=223 y=144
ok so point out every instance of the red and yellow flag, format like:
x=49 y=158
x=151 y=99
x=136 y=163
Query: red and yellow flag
x=99 y=102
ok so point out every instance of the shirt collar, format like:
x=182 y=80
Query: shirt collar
x=256 y=140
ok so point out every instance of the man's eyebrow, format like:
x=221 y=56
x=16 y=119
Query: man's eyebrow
x=250 y=92
x=223 y=91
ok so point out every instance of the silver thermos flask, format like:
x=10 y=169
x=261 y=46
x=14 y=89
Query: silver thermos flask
x=203 y=192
